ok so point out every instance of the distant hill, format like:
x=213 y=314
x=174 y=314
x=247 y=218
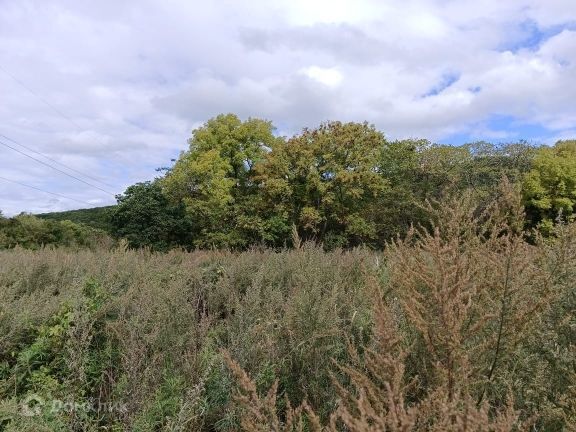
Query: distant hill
x=97 y=217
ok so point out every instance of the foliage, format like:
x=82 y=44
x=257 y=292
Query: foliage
x=452 y=345
x=550 y=186
x=464 y=325
x=31 y=232
x=145 y=217
x=326 y=182
x=215 y=178
x=97 y=217
x=144 y=331
x=340 y=184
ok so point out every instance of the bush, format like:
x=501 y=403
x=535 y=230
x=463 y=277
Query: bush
x=464 y=326
x=31 y=232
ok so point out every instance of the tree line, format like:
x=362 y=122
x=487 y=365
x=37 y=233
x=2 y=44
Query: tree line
x=340 y=184
x=31 y=232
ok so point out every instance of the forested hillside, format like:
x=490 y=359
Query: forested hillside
x=31 y=232
x=97 y=217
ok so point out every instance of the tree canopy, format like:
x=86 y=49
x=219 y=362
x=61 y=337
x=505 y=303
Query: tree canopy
x=145 y=217
x=215 y=178
x=326 y=182
x=240 y=184
x=550 y=186
x=339 y=184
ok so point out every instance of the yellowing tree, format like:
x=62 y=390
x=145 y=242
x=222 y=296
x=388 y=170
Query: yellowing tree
x=326 y=181
x=215 y=178
x=550 y=187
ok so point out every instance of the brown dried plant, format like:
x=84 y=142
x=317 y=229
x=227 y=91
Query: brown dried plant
x=461 y=296
x=470 y=287
x=378 y=399
x=260 y=414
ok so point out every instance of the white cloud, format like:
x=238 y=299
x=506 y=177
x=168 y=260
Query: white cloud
x=427 y=25
x=134 y=77
x=327 y=76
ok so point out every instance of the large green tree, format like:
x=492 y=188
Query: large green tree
x=326 y=181
x=145 y=217
x=215 y=179
x=550 y=186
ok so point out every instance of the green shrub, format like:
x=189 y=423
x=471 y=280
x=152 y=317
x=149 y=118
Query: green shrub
x=480 y=313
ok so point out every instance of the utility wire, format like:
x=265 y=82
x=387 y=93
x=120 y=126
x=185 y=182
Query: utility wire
x=56 y=110
x=45 y=191
x=65 y=117
x=54 y=168
x=54 y=160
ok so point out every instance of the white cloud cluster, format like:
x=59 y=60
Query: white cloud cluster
x=132 y=78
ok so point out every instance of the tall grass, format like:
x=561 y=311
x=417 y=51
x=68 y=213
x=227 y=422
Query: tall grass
x=145 y=330
x=468 y=325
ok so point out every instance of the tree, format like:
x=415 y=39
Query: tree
x=400 y=206
x=326 y=181
x=549 y=189
x=31 y=232
x=418 y=170
x=215 y=179
x=145 y=217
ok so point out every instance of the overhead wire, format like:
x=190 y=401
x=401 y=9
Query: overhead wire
x=54 y=160
x=55 y=168
x=65 y=117
x=56 y=110
x=45 y=191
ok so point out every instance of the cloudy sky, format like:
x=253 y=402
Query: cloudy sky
x=113 y=88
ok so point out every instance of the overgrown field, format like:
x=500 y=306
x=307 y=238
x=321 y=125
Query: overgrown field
x=468 y=326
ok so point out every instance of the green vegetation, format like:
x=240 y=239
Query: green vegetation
x=550 y=186
x=31 y=232
x=333 y=281
x=145 y=218
x=464 y=327
x=98 y=217
x=215 y=180
x=341 y=185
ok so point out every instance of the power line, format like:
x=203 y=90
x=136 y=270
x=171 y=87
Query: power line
x=45 y=191
x=54 y=168
x=65 y=117
x=54 y=160
x=56 y=110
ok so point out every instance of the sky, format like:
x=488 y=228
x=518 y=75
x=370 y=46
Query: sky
x=112 y=89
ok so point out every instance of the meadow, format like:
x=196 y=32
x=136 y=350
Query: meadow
x=465 y=325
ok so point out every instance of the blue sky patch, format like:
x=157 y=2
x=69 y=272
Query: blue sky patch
x=446 y=81
x=531 y=36
x=507 y=127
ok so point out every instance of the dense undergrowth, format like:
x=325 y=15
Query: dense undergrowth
x=31 y=232
x=467 y=326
